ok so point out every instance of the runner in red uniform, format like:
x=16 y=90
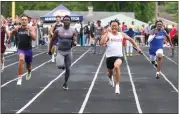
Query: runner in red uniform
x=3 y=47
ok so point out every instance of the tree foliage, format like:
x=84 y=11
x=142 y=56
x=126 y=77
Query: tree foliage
x=143 y=10
x=172 y=7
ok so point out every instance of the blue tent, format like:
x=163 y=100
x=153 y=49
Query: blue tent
x=62 y=11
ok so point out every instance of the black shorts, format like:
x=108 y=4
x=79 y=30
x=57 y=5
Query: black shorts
x=111 y=60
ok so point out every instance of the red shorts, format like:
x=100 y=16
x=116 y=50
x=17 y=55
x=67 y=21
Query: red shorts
x=3 y=49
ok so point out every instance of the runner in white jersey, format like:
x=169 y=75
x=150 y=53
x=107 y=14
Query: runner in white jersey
x=114 y=52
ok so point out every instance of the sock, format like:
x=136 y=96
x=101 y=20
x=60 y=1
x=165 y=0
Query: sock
x=110 y=76
x=158 y=72
x=19 y=76
x=117 y=85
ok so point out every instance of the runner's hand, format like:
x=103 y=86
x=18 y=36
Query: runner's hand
x=8 y=41
x=106 y=35
x=74 y=43
x=139 y=50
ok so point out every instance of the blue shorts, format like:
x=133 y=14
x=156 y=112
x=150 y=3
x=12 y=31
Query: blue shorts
x=155 y=51
x=28 y=55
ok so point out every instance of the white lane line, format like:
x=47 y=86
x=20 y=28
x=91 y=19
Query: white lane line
x=49 y=84
x=91 y=87
x=16 y=53
x=10 y=55
x=163 y=75
x=17 y=62
x=170 y=60
x=7 y=53
x=26 y=73
x=133 y=87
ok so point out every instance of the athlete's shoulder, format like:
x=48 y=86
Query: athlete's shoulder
x=72 y=29
x=54 y=24
x=59 y=29
x=163 y=30
x=121 y=33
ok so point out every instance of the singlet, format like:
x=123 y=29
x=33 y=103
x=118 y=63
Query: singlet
x=25 y=41
x=3 y=32
x=64 y=38
x=157 y=42
x=55 y=28
x=98 y=30
x=114 y=45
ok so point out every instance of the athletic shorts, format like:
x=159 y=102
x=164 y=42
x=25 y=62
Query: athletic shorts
x=154 y=52
x=28 y=55
x=111 y=60
x=53 y=49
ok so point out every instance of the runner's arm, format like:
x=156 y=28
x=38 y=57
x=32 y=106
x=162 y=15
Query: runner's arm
x=7 y=33
x=32 y=33
x=51 y=29
x=169 y=39
x=12 y=34
x=53 y=39
x=74 y=38
x=104 y=39
x=126 y=37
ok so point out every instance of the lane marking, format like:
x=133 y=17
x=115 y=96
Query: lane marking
x=171 y=60
x=162 y=75
x=49 y=84
x=17 y=62
x=26 y=73
x=133 y=87
x=91 y=87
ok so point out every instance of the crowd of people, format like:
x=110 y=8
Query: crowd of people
x=62 y=37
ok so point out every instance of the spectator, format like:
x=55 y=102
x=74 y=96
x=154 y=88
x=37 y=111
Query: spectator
x=124 y=27
x=147 y=32
x=133 y=26
x=87 y=33
x=173 y=31
x=77 y=27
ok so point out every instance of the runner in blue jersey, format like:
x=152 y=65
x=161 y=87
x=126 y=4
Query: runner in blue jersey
x=156 y=42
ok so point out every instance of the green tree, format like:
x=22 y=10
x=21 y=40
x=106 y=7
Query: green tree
x=144 y=11
x=6 y=8
x=172 y=7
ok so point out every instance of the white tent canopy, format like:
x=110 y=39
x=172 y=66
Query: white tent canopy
x=122 y=18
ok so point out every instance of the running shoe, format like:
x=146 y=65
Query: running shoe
x=154 y=63
x=117 y=89
x=53 y=58
x=65 y=86
x=28 y=76
x=157 y=75
x=61 y=67
x=19 y=81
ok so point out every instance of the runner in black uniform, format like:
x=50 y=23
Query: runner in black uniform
x=25 y=35
x=53 y=28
